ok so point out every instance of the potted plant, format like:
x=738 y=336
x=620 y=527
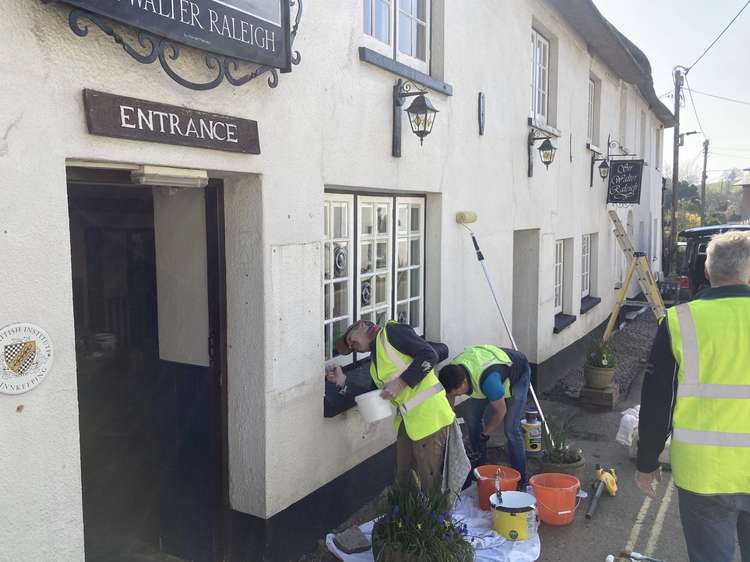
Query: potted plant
x=599 y=367
x=417 y=526
x=561 y=457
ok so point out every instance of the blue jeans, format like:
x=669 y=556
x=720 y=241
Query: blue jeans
x=712 y=525
x=475 y=417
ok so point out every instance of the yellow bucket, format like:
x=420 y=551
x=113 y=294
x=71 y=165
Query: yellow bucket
x=514 y=516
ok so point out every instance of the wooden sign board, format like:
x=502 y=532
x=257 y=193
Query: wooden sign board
x=625 y=182
x=253 y=30
x=130 y=118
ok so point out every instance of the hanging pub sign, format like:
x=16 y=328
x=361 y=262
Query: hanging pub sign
x=625 y=182
x=257 y=31
x=130 y=118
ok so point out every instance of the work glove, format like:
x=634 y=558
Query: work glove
x=647 y=481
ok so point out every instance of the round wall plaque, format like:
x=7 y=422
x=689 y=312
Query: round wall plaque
x=25 y=357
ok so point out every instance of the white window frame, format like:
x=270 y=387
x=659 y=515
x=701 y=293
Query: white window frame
x=558 y=276
x=331 y=200
x=540 y=74
x=409 y=235
x=392 y=48
x=585 y=265
x=592 y=104
x=374 y=239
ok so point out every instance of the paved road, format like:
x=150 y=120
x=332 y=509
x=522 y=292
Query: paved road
x=651 y=527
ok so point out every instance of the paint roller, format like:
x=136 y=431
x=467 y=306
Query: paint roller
x=465 y=218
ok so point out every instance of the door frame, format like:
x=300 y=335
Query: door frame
x=217 y=350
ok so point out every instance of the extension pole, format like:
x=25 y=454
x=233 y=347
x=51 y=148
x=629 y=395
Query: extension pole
x=480 y=257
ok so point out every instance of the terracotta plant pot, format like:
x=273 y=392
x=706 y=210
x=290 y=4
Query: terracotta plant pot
x=576 y=469
x=598 y=377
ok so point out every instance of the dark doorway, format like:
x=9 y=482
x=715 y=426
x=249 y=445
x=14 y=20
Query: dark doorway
x=150 y=428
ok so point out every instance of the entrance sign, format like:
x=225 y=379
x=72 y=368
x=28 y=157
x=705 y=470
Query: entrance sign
x=257 y=31
x=130 y=118
x=625 y=182
x=25 y=357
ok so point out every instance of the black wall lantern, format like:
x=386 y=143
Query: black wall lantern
x=546 y=150
x=421 y=113
x=604 y=166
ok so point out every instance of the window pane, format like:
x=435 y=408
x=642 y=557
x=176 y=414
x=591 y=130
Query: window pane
x=327 y=257
x=382 y=29
x=382 y=256
x=366 y=257
x=380 y=289
x=365 y=293
x=421 y=40
x=327 y=305
x=422 y=10
x=415 y=313
x=403 y=219
x=341 y=259
x=340 y=299
x=416 y=283
x=340 y=221
x=404 y=34
x=370 y=316
x=402 y=284
x=327 y=338
x=382 y=317
x=402 y=313
x=403 y=256
x=367 y=16
x=416 y=249
x=383 y=219
x=339 y=329
x=405 y=6
x=415 y=219
x=367 y=220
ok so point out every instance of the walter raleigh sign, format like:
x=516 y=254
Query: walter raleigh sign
x=625 y=181
x=131 y=118
x=251 y=30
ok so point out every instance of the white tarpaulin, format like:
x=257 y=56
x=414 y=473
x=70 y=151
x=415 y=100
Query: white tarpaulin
x=488 y=545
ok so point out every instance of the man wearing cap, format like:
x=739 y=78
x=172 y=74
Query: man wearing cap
x=402 y=366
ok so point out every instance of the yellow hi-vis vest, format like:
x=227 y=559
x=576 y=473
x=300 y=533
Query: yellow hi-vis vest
x=424 y=409
x=477 y=359
x=711 y=424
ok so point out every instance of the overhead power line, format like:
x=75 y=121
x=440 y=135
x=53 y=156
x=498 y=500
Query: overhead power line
x=723 y=31
x=692 y=101
x=722 y=98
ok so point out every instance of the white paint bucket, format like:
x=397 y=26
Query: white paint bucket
x=374 y=408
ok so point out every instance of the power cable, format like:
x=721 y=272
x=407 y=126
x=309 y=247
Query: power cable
x=723 y=31
x=722 y=98
x=692 y=101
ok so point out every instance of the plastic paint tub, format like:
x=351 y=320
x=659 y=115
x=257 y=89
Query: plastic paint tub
x=374 y=408
x=485 y=477
x=557 y=497
x=514 y=516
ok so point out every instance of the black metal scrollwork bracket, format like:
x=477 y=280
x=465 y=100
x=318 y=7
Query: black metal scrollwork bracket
x=156 y=48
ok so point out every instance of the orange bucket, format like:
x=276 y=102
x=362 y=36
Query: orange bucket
x=485 y=477
x=557 y=497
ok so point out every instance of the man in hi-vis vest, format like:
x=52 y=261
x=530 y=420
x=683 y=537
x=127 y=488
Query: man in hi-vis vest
x=698 y=388
x=497 y=381
x=402 y=366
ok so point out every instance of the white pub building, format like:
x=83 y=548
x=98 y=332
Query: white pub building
x=198 y=196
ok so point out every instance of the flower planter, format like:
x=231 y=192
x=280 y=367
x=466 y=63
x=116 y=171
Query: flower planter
x=391 y=553
x=598 y=377
x=576 y=469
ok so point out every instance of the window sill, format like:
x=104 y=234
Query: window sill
x=539 y=126
x=587 y=303
x=404 y=71
x=562 y=321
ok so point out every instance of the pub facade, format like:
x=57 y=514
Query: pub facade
x=200 y=195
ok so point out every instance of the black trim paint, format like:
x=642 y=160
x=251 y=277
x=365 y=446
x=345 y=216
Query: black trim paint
x=587 y=303
x=404 y=71
x=296 y=531
x=562 y=321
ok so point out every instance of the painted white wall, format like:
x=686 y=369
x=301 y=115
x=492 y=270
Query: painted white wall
x=327 y=124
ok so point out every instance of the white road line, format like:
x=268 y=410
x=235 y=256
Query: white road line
x=660 y=515
x=636 y=531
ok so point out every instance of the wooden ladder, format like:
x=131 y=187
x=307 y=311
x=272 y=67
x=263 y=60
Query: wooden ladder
x=637 y=265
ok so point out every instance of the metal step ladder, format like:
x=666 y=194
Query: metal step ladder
x=637 y=265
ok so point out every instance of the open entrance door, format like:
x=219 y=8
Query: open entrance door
x=150 y=400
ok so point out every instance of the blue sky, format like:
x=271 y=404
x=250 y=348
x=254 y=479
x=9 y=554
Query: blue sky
x=724 y=71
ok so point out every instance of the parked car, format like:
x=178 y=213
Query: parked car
x=692 y=271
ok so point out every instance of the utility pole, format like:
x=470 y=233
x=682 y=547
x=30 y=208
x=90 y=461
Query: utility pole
x=703 y=183
x=678 y=78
